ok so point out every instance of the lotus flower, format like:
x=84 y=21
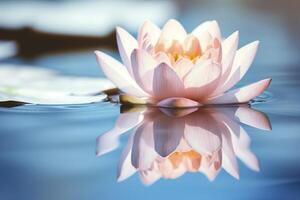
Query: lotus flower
x=171 y=68
x=166 y=143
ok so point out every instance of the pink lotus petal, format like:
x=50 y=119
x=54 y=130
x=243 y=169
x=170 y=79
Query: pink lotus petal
x=191 y=46
x=110 y=140
x=239 y=139
x=169 y=172
x=118 y=74
x=125 y=168
x=166 y=82
x=241 y=146
x=143 y=153
x=178 y=103
x=205 y=39
x=242 y=61
x=126 y=44
x=148 y=31
x=211 y=27
x=161 y=57
x=213 y=51
x=211 y=165
x=243 y=94
x=167 y=134
x=253 y=118
x=246 y=115
x=183 y=66
x=202 y=133
x=143 y=68
x=229 y=161
x=177 y=112
x=150 y=176
x=202 y=79
x=172 y=31
x=229 y=47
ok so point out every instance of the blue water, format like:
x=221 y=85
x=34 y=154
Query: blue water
x=48 y=152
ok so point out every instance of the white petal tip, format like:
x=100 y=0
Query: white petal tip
x=99 y=54
x=214 y=21
x=173 y=21
x=255 y=44
x=120 y=179
x=236 y=175
x=256 y=169
x=118 y=29
x=236 y=33
x=99 y=153
x=267 y=82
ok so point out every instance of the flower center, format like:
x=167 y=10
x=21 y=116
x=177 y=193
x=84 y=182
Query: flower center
x=190 y=49
x=192 y=157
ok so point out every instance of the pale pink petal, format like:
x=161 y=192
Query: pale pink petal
x=183 y=66
x=241 y=146
x=166 y=82
x=253 y=118
x=202 y=133
x=229 y=47
x=162 y=57
x=205 y=39
x=216 y=51
x=172 y=31
x=211 y=165
x=211 y=27
x=126 y=44
x=202 y=79
x=150 y=176
x=191 y=46
x=229 y=161
x=243 y=94
x=239 y=139
x=125 y=168
x=168 y=171
x=224 y=116
x=118 y=74
x=246 y=115
x=150 y=32
x=178 y=103
x=212 y=49
x=143 y=154
x=143 y=69
x=242 y=62
x=167 y=132
x=177 y=112
x=110 y=140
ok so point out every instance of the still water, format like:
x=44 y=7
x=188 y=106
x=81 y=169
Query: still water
x=49 y=152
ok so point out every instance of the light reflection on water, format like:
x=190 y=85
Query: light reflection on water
x=167 y=143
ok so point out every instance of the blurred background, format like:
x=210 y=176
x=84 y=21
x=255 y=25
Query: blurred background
x=63 y=34
x=47 y=152
x=53 y=26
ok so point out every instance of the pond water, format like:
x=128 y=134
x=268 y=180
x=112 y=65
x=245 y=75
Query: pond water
x=49 y=152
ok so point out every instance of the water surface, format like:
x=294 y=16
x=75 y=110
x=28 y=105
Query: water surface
x=49 y=152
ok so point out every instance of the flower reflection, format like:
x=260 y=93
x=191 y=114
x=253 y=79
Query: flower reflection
x=167 y=143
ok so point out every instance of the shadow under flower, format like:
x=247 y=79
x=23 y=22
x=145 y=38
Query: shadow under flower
x=166 y=143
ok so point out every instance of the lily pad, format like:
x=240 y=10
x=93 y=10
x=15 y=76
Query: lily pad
x=43 y=86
